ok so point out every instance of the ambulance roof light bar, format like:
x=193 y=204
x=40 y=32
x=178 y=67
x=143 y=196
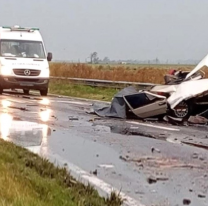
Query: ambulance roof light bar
x=18 y=28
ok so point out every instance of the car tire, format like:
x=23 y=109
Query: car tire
x=44 y=92
x=26 y=91
x=182 y=110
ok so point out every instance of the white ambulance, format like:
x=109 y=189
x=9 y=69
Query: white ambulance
x=23 y=60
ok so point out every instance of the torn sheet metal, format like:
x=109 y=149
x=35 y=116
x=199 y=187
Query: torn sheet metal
x=165 y=88
x=200 y=65
x=187 y=90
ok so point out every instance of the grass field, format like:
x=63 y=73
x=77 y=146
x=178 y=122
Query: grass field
x=67 y=89
x=134 y=73
x=28 y=180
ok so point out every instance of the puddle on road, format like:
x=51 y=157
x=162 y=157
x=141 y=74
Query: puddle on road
x=23 y=133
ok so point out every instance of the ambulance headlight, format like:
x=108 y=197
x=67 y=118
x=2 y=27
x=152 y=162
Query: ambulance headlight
x=5 y=71
x=45 y=73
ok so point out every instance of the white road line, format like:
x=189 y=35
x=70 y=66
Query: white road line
x=85 y=176
x=154 y=126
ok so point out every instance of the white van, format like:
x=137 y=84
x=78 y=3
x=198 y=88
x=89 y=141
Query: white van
x=23 y=61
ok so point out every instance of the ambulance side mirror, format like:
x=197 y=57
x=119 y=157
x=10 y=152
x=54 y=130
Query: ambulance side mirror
x=50 y=56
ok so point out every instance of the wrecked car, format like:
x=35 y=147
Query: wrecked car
x=183 y=94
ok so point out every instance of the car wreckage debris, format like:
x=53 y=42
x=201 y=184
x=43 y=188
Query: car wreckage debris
x=73 y=118
x=153 y=179
x=197 y=120
x=182 y=99
x=186 y=202
x=20 y=108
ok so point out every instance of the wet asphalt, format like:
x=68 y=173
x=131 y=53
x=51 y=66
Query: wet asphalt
x=157 y=164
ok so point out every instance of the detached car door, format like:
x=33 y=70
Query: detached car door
x=146 y=104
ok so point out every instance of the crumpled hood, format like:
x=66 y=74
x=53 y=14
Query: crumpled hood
x=187 y=90
x=164 y=88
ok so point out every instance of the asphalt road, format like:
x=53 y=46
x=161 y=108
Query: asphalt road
x=151 y=163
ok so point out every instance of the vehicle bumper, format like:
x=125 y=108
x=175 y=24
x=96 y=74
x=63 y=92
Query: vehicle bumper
x=8 y=82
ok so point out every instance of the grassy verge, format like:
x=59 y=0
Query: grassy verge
x=28 y=180
x=67 y=89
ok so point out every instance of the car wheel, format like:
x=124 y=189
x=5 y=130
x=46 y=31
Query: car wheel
x=44 y=92
x=182 y=110
x=26 y=91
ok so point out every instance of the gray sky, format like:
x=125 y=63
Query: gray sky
x=119 y=29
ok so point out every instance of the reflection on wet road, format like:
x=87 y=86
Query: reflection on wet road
x=148 y=170
x=22 y=133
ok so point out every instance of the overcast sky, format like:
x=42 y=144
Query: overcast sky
x=119 y=29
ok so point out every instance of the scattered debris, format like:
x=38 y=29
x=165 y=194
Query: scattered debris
x=26 y=97
x=153 y=179
x=195 y=156
x=91 y=111
x=73 y=118
x=94 y=119
x=186 y=201
x=201 y=158
x=201 y=196
x=106 y=166
x=175 y=140
x=37 y=98
x=155 y=149
x=123 y=158
x=197 y=120
x=95 y=172
x=54 y=117
x=32 y=105
x=20 y=108
x=173 y=120
x=139 y=192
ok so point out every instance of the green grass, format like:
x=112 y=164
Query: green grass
x=28 y=180
x=64 y=88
